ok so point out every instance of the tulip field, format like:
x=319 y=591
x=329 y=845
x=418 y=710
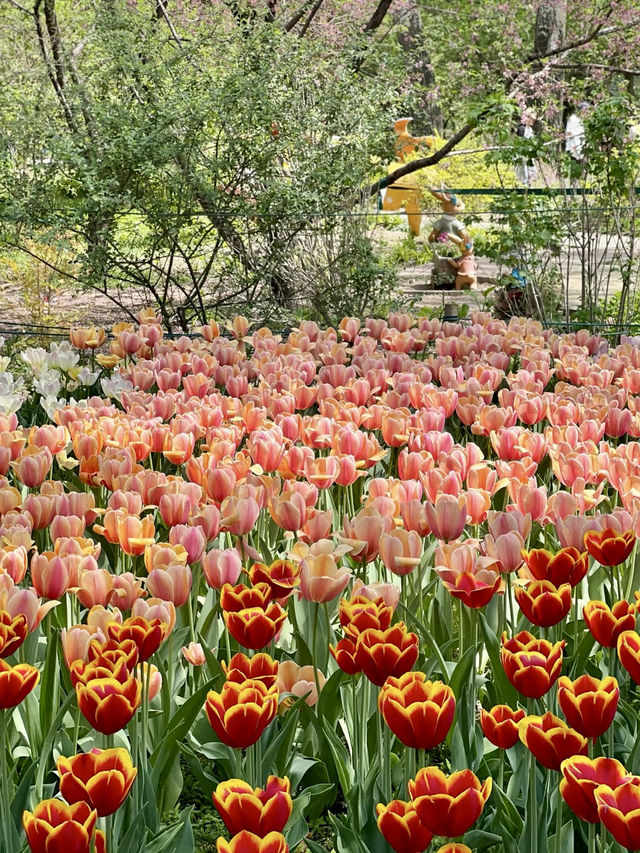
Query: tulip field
x=381 y=579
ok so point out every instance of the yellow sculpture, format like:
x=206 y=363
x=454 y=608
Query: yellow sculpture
x=406 y=191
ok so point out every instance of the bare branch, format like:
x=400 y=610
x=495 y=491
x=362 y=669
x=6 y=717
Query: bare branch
x=169 y=22
x=298 y=15
x=17 y=5
x=314 y=11
x=423 y=162
x=596 y=33
x=569 y=66
x=378 y=16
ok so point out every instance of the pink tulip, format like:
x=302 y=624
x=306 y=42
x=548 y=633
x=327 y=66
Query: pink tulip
x=221 y=567
x=503 y=522
x=447 y=516
x=194 y=654
x=75 y=642
x=191 y=538
x=208 y=519
x=127 y=588
x=299 y=681
x=321 y=579
x=14 y=562
x=505 y=549
x=95 y=586
x=388 y=592
x=170 y=583
x=50 y=574
x=174 y=509
x=238 y=515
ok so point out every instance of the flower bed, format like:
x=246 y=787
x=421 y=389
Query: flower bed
x=385 y=575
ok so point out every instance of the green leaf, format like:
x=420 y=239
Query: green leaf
x=506 y=692
x=175 y=839
x=53 y=732
x=347 y=840
x=167 y=750
x=425 y=633
x=341 y=758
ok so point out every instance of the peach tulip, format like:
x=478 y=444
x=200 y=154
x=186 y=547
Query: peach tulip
x=400 y=551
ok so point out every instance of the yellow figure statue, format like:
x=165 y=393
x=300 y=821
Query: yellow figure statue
x=406 y=191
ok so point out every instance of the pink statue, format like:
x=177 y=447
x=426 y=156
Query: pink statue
x=465 y=265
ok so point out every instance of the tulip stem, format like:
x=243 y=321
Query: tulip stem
x=508 y=593
x=5 y=786
x=611 y=733
x=109 y=834
x=533 y=798
x=592 y=838
x=145 y=714
x=559 y=801
x=355 y=736
x=314 y=650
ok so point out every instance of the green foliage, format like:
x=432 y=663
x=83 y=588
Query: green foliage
x=466 y=171
x=201 y=175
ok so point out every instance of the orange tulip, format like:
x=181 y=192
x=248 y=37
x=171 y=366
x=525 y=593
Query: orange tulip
x=241 y=712
x=454 y=847
x=500 y=725
x=581 y=777
x=16 y=682
x=400 y=550
x=321 y=579
x=609 y=547
x=242 y=807
x=251 y=618
x=260 y=667
x=606 y=624
x=380 y=654
x=282 y=577
x=13 y=632
x=531 y=665
x=543 y=603
x=629 y=653
x=359 y=613
x=418 y=712
x=588 y=703
x=134 y=534
x=87 y=337
x=101 y=778
x=551 y=740
x=247 y=842
x=344 y=654
x=402 y=828
x=146 y=634
x=565 y=566
x=618 y=810
x=55 y=827
x=108 y=704
x=448 y=805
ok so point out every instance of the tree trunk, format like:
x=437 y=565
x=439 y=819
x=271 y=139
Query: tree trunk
x=551 y=26
x=428 y=118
